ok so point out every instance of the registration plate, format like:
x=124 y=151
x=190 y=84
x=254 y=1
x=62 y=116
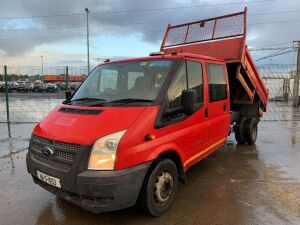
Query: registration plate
x=49 y=179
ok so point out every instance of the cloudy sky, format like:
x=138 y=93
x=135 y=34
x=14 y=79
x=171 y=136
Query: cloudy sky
x=127 y=28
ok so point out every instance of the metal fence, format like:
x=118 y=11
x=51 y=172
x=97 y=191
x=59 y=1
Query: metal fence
x=29 y=93
x=280 y=83
x=280 y=106
x=32 y=105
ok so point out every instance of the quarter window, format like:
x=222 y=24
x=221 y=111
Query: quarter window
x=216 y=82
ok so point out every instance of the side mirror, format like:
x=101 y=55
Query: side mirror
x=188 y=101
x=68 y=94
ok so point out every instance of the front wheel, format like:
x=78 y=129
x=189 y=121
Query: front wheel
x=159 y=188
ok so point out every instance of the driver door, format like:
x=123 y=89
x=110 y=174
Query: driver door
x=190 y=132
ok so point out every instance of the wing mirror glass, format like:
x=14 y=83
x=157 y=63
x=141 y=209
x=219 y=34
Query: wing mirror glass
x=188 y=101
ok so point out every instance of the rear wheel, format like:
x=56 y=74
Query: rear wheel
x=238 y=131
x=250 y=130
x=159 y=188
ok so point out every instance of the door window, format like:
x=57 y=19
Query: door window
x=189 y=77
x=178 y=85
x=216 y=82
x=195 y=80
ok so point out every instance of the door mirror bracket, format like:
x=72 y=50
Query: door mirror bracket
x=68 y=94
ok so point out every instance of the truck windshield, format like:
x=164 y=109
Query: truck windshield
x=124 y=82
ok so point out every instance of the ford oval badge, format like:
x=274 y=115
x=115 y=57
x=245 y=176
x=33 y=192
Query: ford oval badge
x=46 y=151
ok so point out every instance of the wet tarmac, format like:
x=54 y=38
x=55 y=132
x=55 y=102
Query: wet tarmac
x=235 y=185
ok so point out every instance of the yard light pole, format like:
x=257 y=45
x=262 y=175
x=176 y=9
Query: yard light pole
x=87 y=40
x=42 y=68
x=296 y=79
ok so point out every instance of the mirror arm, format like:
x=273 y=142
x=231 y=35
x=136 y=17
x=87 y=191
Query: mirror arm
x=68 y=94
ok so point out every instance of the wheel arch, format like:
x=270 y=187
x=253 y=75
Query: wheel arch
x=175 y=157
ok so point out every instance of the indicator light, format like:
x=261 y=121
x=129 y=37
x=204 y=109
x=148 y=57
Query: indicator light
x=149 y=137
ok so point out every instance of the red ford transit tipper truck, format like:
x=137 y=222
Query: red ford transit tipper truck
x=134 y=127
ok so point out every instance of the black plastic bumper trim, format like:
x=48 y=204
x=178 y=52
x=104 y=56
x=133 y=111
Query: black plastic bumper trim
x=100 y=191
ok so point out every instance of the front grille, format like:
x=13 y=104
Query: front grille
x=56 y=143
x=54 y=163
x=64 y=153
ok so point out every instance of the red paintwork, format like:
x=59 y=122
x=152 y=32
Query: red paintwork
x=221 y=49
x=85 y=129
x=255 y=78
x=166 y=56
x=219 y=119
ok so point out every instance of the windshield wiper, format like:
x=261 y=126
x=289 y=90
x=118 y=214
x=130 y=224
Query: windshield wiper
x=124 y=101
x=85 y=99
x=130 y=100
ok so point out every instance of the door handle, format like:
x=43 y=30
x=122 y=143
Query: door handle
x=225 y=107
x=206 y=112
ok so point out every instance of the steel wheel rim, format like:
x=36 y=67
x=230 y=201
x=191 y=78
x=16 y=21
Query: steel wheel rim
x=163 y=187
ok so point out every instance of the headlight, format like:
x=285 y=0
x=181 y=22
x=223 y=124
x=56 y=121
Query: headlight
x=104 y=150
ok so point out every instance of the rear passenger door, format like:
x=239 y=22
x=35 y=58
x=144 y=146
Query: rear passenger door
x=217 y=111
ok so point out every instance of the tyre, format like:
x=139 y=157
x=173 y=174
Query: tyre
x=250 y=130
x=159 y=188
x=238 y=131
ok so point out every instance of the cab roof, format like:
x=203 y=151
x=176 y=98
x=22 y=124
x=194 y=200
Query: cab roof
x=166 y=56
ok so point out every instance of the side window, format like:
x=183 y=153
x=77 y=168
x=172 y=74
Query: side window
x=177 y=86
x=195 y=79
x=216 y=82
x=108 y=80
